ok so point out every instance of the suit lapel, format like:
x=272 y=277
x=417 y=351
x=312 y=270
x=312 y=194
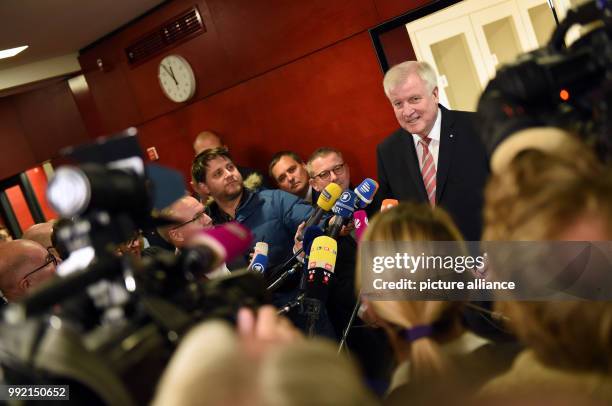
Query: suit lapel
x=445 y=155
x=409 y=163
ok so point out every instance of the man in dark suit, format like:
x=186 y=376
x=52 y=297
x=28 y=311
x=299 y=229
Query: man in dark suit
x=436 y=156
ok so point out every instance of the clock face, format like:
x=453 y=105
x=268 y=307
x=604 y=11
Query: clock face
x=176 y=78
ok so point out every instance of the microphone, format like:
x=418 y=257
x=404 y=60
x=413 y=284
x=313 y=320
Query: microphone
x=259 y=263
x=310 y=234
x=261 y=249
x=388 y=204
x=343 y=209
x=321 y=264
x=326 y=200
x=361 y=223
x=365 y=192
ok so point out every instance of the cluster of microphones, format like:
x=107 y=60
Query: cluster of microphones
x=335 y=209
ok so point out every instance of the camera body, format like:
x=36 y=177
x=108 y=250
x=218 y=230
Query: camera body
x=557 y=86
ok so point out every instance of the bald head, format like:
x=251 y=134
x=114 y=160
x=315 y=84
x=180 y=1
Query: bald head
x=40 y=233
x=24 y=265
x=206 y=140
x=189 y=215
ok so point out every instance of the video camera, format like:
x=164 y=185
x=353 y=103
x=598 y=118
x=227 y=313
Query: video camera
x=108 y=326
x=557 y=85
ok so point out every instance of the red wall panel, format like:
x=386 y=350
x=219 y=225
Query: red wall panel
x=20 y=207
x=260 y=35
x=333 y=97
x=38 y=180
x=388 y=9
x=110 y=89
x=397 y=46
x=50 y=120
x=205 y=53
x=87 y=106
x=242 y=40
x=16 y=152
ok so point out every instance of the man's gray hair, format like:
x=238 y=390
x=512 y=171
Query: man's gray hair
x=399 y=73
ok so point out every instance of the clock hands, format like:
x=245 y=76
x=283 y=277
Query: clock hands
x=170 y=72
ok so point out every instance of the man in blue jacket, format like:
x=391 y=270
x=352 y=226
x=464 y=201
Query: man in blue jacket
x=272 y=215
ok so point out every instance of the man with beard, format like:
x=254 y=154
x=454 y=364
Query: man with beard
x=272 y=215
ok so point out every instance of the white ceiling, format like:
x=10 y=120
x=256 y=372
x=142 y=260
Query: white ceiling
x=55 y=31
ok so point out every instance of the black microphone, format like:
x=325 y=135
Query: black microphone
x=343 y=210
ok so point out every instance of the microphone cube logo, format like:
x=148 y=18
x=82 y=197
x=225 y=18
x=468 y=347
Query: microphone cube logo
x=346 y=196
x=258 y=267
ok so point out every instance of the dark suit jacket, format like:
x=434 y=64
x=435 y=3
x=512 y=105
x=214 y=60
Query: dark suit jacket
x=462 y=170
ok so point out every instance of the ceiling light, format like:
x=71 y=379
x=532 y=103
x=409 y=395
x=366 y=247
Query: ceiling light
x=7 y=53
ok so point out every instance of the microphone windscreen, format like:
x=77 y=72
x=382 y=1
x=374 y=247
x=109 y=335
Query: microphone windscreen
x=260 y=263
x=366 y=191
x=323 y=254
x=388 y=204
x=229 y=240
x=345 y=205
x=361 y=223
x=328 y=196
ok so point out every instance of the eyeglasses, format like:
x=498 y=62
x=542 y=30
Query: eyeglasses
x=49 y=259
x=325 y=175
x=195 y=218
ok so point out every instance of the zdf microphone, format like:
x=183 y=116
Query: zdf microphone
x=321 y=265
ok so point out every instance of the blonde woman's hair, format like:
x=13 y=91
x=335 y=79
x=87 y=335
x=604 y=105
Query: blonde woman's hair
x=213 y=367
x=537 y=197
x=412 y=222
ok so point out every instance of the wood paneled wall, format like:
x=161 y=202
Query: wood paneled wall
x=272 y=74
x=35 y=125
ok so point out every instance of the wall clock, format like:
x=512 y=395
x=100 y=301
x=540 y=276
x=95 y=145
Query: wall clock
x=176 y=78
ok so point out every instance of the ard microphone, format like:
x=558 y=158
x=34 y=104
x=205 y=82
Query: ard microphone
x=259 y=263
x=325 y=202
x=388 y=204
x=261 y=250
x=343 y=210
x=365 y=192
x=361 y=223
x=321 y=264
